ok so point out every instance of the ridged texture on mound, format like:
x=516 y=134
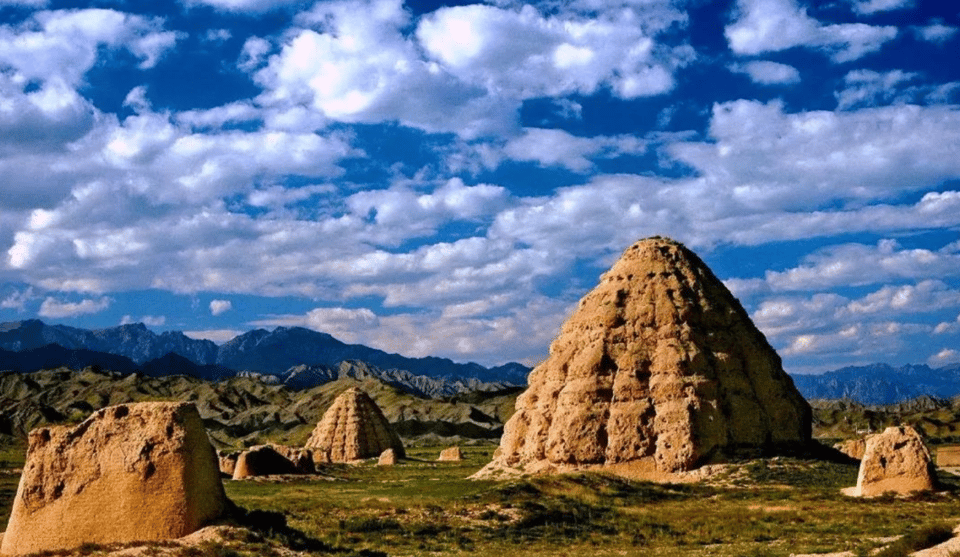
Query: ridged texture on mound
x=896 y=460
x=141 y=471
x=661 y=362
x=353 y=428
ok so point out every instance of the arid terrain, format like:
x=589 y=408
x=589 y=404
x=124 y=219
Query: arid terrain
x=775 y=506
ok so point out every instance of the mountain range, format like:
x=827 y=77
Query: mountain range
x=260 y=351
x=881 y=383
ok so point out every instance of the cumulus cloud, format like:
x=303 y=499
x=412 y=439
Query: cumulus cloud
x=516 y=335
x=63 y=45
x=218 y=307
x=56 y=309
x=859 y=264
x=944 y=357
x=527 y=54
x=936 y=32
x=763 y=26
x=768 y=73
x=353 y=64
x=18 y=299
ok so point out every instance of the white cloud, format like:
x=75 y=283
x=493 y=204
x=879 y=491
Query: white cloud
x=768 y=73
x=524 y=54
x=925 y=296
x=359 y=67
x=765 y=158
x=870 y=88
x=18 y=299
x=63 y=45
x=773 y=25
x=149 y=320
x=947 y=327
x=944 y=357
x=554 y=147
x=254 y=6
x=936 y=32
x=219 y=307
x=873 y=6
x=859 y=264
x=218 y=336
x=56 y=309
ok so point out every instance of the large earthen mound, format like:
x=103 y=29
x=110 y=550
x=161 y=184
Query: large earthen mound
x=353 y=428
x=895 y=461
x=659 y=368
x=131 y=472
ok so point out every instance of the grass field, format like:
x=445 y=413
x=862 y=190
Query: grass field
x=421 y=507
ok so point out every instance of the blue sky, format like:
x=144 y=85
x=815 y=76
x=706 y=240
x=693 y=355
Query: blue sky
x=449 y=179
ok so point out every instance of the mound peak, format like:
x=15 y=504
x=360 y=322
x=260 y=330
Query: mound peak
x=353 y=428
x=659 y=365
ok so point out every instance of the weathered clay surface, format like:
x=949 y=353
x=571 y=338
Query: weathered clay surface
x=659 y=362
x=896 y=460
x=387 y=458
x=353 y=428
x=853 y=448
x=452 y=454
x=266 y=460
x=141 y=471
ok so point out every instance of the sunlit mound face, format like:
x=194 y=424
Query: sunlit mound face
x=658 y=363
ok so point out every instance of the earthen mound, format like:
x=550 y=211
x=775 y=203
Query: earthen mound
x=895 y=461
x=659 y=368
x=854 y=448
x=131 y=472
x=268 y=460
x=452 y=454
x=353 y=428
x=387 y=458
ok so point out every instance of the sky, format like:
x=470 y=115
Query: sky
x=448 y=179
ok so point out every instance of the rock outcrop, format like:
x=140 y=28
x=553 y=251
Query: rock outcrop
x=452 y=454
x=228 y=462
x=141 y=471
x=895 y=461
x=659 y=368
x=353 y=428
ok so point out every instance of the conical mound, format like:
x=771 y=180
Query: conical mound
x=353 y=428
x=659 y=366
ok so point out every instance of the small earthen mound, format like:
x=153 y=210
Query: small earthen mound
x=353 y=428
x=268 y=460
x=131 y=472
x=659 y=368
x=387 y=458
x=854 y=448
x=228 y=462
x=895 y=461
x=453 y=454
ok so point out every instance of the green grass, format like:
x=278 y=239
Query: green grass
x=426 y=508
x=420 y=507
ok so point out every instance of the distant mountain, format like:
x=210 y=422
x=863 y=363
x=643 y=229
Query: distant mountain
x=260 y=351
x=881 y=383
x=54 y=356
x=303 y=377
x=134 y=341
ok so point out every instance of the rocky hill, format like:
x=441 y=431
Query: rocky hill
x=268 y=352
x=881 y=383
x=242 y=410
